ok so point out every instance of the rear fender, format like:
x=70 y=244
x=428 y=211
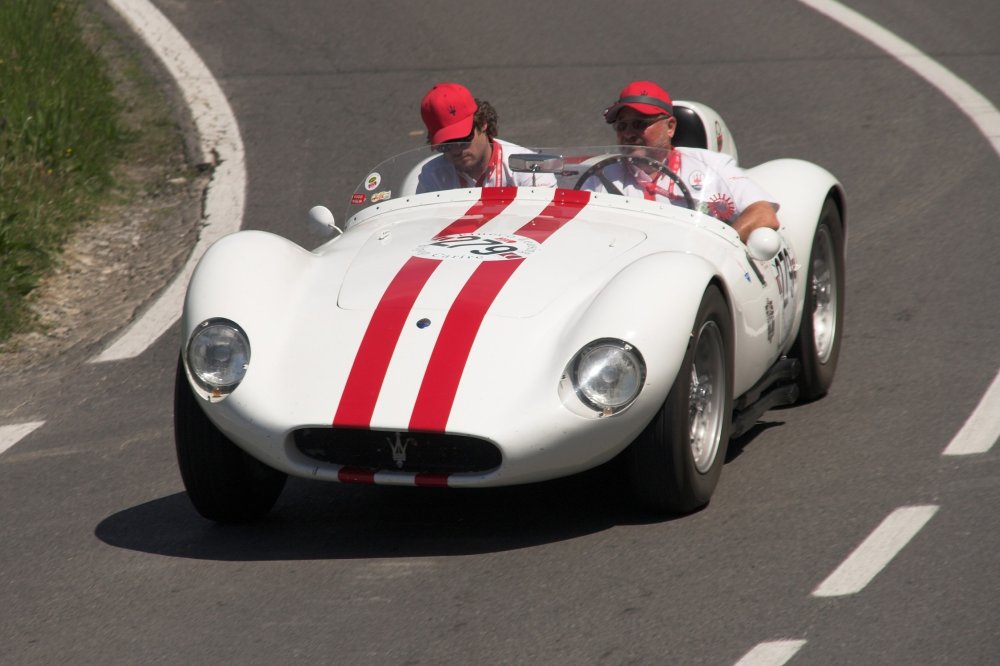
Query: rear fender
x=801 y=188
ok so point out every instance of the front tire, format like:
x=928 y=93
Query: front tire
x=676 y=462
x=818 y=344
x=225 y=483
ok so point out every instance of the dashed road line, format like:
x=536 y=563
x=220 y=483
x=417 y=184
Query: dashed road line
x=220 y=142
x=12 y=434
x=982 y=429
x=875 y=552
x=772 y=653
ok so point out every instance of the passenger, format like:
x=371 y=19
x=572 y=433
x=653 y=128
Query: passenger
x=643 y=115
x=464 y=129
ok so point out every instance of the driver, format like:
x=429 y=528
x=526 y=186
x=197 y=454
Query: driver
x=643 y=116
x=464 y=130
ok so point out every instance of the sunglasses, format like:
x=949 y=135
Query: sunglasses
x=448 y=146
x=637 y=124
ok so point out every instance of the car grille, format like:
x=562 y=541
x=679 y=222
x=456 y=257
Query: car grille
x=417 y=452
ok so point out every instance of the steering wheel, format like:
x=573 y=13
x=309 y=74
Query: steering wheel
x=598 y=169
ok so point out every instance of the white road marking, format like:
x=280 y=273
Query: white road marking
x=875 y=552
x=12 y=434
x=980 y=111
x=220 y=143
x=982 y=429
x=773 y=653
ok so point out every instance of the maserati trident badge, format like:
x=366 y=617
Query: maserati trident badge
x=399 y=448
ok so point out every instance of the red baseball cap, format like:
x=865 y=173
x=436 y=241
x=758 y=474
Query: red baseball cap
x=448 y=110
x=645 y=97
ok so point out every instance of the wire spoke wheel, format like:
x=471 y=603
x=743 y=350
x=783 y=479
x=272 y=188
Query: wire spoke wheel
x=824 y=290
x=706 y=398
x=818 y=344
x=676 y=462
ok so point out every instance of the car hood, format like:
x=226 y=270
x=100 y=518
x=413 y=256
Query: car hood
x=518 y=254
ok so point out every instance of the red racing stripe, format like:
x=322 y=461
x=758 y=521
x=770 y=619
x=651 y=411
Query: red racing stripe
x=364 y=383
x=370 y=365
x=461 y=325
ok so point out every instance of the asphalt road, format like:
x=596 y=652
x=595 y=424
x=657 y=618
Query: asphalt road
x=103 y=560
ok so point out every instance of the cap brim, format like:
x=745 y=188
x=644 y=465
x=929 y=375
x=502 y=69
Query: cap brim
x=457 y=130
x=611 y=113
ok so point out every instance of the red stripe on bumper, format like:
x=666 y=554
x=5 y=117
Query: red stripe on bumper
x=431 y=480
x=356 y=475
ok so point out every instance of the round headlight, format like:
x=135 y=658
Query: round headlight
x=608 y=375
x=218 y=354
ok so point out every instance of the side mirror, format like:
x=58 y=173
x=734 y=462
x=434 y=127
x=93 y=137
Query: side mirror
x=321 y=221
x=764 y=244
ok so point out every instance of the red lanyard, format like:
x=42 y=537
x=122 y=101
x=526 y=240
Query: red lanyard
x=651 y=188
x=493 y=168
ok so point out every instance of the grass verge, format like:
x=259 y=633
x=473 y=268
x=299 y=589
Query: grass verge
x=60 y=137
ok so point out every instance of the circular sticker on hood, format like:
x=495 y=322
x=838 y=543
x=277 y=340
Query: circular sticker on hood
x=477 y=247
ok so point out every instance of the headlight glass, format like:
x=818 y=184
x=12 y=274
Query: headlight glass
x=218 y=354
x=608 y=374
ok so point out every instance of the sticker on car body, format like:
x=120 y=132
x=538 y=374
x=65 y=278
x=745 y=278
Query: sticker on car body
x=373 y=181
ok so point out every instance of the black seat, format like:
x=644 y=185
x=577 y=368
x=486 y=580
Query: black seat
x=690 y=131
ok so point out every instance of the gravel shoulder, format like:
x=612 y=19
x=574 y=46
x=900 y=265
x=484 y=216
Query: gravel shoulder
x=123 y=256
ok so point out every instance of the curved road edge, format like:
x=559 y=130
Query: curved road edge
x=222 y=147
x=980 y=111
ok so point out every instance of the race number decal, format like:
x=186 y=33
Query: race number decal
x=785 y=277
x=477 y=247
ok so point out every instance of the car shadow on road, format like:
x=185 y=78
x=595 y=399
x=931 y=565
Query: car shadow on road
x=318 y=520
x=738 y=445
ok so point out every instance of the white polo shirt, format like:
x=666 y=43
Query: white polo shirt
x=440 y=174
x=712 y=178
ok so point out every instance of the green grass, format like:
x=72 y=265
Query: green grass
x=60 y=138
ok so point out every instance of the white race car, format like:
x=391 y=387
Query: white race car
x=494 y=336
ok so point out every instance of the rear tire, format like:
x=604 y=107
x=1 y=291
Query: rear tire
x=676 y=462
x=818 y=344
x=225 y=483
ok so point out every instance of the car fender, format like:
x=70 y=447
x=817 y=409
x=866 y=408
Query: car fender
x=656 y=319
x=246 y=277
x=631 y=306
